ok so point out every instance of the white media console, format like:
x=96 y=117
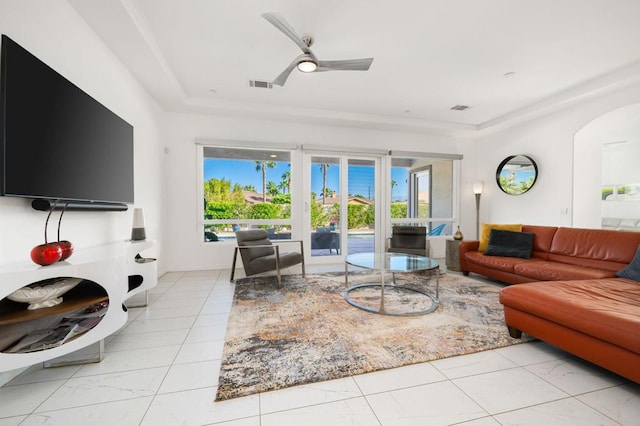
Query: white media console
x=111 y=273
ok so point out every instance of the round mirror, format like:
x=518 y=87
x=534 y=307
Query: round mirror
x=516 y=174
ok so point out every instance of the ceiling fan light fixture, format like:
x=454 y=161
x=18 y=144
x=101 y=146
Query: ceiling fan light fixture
x=307 y=65
x=308 y=62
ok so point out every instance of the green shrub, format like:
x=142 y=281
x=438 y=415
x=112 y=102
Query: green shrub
x=222 y=210
x=360 y=216
x=281 y=199
x=263 y=211
x=319 y=216
x=399 y=210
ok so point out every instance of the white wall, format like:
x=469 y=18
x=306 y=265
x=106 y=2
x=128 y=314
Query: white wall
x=186 y=251
x=549 y=140
x=53 y=32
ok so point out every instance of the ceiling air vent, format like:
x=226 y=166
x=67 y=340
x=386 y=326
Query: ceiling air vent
x=460 y=107
x=262 y=84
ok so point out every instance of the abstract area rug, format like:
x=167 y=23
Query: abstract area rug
x=306 y=332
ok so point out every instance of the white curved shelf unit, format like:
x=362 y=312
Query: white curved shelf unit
x=109 y=266
x=145 y=269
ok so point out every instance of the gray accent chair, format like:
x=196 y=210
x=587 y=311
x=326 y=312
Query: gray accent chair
x=409 y=239
x=259 y=254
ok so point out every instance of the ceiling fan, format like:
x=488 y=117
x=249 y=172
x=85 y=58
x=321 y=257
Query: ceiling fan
x=308 y=62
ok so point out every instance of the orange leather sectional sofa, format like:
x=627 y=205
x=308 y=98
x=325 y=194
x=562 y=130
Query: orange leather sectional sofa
x=568 y=294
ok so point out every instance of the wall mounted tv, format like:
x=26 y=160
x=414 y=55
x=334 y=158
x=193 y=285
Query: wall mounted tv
x=58 y=143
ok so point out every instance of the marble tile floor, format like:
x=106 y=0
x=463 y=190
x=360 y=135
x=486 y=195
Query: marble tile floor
x=162 y=369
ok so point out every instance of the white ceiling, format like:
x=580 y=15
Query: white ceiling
x=430 y=55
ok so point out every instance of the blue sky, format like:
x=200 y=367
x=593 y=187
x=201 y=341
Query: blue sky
x=360 y=182
x=242 y=172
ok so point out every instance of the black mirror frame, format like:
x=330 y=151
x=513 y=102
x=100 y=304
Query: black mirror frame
x=505 y=161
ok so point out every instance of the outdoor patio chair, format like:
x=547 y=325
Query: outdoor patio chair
x=409 y=239
x=325 y=239
x=259 y=254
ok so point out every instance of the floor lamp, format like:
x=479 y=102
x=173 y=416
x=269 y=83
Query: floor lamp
x=477 y=190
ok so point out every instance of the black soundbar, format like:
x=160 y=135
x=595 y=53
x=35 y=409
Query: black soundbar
x=45 y=205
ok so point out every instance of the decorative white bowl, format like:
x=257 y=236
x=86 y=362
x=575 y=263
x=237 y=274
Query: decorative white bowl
x=44 y=296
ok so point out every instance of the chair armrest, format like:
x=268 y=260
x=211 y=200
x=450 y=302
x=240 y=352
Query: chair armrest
x=256 y=246
x=273 y=246
x=288 y=241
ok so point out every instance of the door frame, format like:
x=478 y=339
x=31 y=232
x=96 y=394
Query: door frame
x=379 y=197
x=414 y=175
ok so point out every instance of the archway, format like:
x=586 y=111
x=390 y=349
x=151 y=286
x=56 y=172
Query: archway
x=605 y=158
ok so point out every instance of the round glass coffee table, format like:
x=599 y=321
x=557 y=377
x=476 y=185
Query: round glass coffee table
x=410 y=298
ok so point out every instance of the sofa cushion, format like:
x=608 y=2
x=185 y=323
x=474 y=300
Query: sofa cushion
x=543 y=236
x=631 y=271
x=509 y=243
x=611 y=267
x=546 y=270
x=500 y=263
x=595 y=244
x=607 y=309
x=486 y=231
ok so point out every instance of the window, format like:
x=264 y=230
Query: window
x=422 y=193
x=246 y=188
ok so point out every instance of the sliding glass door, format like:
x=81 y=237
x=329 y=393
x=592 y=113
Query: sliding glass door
x=341 y=206
x=361 y=205
x=324 y=212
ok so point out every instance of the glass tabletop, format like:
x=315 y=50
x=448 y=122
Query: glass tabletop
x=392 y=262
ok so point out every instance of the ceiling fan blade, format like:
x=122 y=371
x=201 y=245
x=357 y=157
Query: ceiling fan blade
x=346 y=65
x=282 y=78
x=280 y=23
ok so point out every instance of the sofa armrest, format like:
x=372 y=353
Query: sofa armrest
x=464 y=247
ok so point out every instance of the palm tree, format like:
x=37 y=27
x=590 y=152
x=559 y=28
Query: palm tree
x=393 y=185
x=272 y=188
x=286 y=181
x=262 y=166
x=324 y=168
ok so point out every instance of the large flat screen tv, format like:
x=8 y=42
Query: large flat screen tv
x=57 y=142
